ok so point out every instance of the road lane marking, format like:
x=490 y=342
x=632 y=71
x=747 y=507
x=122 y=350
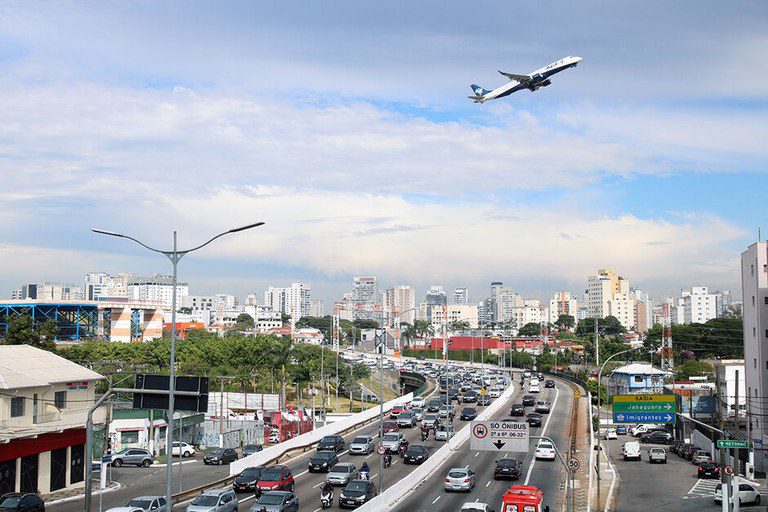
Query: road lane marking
x=543 y=433
x=488 y=483
x=318 y=485
x=478 y=453
x=436 y=499
x=307 y=471
x=249 y=498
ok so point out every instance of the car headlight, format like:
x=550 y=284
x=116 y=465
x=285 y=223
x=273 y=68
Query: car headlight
x=325 y=464
x=343 y=496
x=361 y=498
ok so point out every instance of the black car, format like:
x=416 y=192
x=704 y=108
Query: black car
x=415 y=454
x=323 y=461
x=356 y=493
x=469 y=396
x=657 y=437
x=484 y=400
x=517 y=410
x=675 y=447
x=220 y=456
x=453 y=394
x=16 y=501
x=549 y=383
x=331 y=444
x=534 y=419
x=247 y=479
x=434 y=405
x=709 y=470
x=250 y=449
x=507 y=467
x=468 y=413
x=529 y=400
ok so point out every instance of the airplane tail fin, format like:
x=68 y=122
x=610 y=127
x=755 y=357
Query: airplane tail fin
x=479 y=91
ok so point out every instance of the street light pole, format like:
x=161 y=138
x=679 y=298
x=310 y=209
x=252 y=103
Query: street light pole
x=174 y=256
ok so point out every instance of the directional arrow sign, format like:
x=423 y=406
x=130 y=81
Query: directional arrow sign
x=644 y=403
x=496 y=436
x=733 y=443
x=643 y=417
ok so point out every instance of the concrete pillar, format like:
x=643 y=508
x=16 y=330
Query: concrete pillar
x=152 y=325
x=121 y=324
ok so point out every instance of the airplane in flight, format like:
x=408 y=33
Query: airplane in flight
x=539 y=78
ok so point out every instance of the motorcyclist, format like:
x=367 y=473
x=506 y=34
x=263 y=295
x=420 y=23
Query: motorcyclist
x=365 y=471
x=424 y=433
x=387 y=460
x=327 y=493
x=403 y=446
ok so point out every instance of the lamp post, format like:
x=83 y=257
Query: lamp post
x=174 y=256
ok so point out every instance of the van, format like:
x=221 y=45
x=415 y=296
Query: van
x=644 y=428
x=631 y=450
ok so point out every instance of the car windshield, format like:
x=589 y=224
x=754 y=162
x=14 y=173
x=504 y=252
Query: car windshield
x=355 y=487
x=406 y=414
x=360 y=440
x=507 y=462
x=341 y=468
x=205 y=500
x=323 y=455
x=144 y=504
x=10 y=502
x=270 y=499
x=251 y=472
x=429 y=416
x=271 y=475
x=217 y=453
x=390 y=437
x=252 y=447
x=459 y=473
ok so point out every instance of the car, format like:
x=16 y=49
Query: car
x=447 y=411
x=686 y=451
x=621 y=430
x=361 y=445
x=700 y=456
x=453 y=394
x=322 y=461
x=631 y=450
x=549 y=383
x=465 y=386
x=415 y=454
x=214 y=500
x=444 y=432
x=113 y=509
x=430 y=419
x=748 y=493
x=182 y=449
x=132 y=457
x=534 y=388
x=418 y=413
x=21 y=502
x=392 y=441
x=534 y=419
x=250 y=449
x=148 y=503
x=276 y=478
x=356 y=493
x=469 y=396
x=542 y=406
x=527 y=374
x=484 y=400
x=248 y=478
x=494 y=393
x=529 y=400
x=220 y=456
x=507 y=467
x=434 y=405
x=406 y=419
x=459 y=479
x=708 y=469
x=331 y=443
x=517 y=410
x=657 y=455
x=418 y=401
x=342 y=473
x=644 y=428
x=475 y=506
x=420 y=358
x=390 y=426
x=610 y=434
x=545 y=451
x=276 y=501
x=656 y=437
x=396 y=410
x=468 y=413
x=675 y=446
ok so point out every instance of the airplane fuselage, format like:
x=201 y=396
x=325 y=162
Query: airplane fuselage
x=538 y=78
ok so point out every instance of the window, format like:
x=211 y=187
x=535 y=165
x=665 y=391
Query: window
x=129 y=437
x=638 y=378
x=60 y=399
x=765 y=299
x=17 y=406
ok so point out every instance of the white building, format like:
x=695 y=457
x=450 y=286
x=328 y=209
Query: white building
x=562 y=303
x=622 y=306
x=601 y=288
x=317 y=308
x=365 y=290
x=754 y=289
x=505 y=300
x=401 y=301
x=698 y=305
x=265 y=318
x=158 y=289
x=731 y=382
x=455 y=313
x=294 y=301
x=530 y=311
x=460 y=296
x=198 y=302
x=51 y=291
x=436 y=298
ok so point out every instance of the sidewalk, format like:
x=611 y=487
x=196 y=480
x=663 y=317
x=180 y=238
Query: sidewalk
x=604 y=491
x=63 y=496
x=580 y=496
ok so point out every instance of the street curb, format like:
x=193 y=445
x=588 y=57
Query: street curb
x=117 y=486
x=155 y=465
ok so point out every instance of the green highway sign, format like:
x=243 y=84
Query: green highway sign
x=732 y=443
x=644 y=403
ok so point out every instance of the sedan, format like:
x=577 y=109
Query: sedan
x=415 y=454
x=542 y=406
x=709 y=470
x=468 y=413
x=484 y=400
x=658 y=455
x=545 y=451
x=700 y=456
x=507 y=467
x=529 y=400
x=147 y=503
x=406 y=419
x=248 y=478
x=29 y=502
x=342 y=474
x=220 y=456
x=322 y=461
x=356 y=493
x=331 y=443
x=446 y=411
x=418 y=412
x=748 y=493
x=534 y=419
x=459 y=479
x=276 y=501
x=611 y=434
x=430 y=419
x=469 y=397
x=361 y=445
x=517 y=410
x=390 y=426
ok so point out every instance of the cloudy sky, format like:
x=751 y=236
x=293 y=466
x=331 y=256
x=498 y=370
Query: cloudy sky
x=346 y=128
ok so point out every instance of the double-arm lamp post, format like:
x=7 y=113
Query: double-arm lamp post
x=174 y=256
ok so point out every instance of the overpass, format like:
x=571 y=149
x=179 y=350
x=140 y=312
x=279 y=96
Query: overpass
x=114 y=320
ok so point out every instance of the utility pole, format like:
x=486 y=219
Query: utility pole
x=597 y=351
x=381 y=345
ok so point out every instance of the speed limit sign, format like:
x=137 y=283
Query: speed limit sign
x=573 y=464
x=381 y=450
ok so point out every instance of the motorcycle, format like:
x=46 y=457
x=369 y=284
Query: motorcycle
x=326 y=501
x=387 y=460
x=402 y=448
x=424 y=435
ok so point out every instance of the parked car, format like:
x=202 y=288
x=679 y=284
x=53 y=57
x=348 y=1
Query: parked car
x=748 y=493
x=700 y=456
x=534 y=419
x=148 y=503
x=687 y=450
x=361 y=445
x=342 y=473
x=656 y=437
x=507 y=467
x=356 y=493
x=331 y=443
x=248 y=478
x=549 y=383
x=21 y=502
x=276 y=501
x=276 y=478
x=675 y=446
x=529 y=400
x=132 y=457
x=406 y=419
x=631 y=450
x=322 y=461
x=415 y=454
x=545 y=451
x=459 y=479
x=709 y=469
x=468 y=413
x=517 y=410
x=220 y=456
x=657 y=455
x=542 y=406
x=484 y=400
x=214 y=500
x=182 y=449
x=250 y=449
x=621 y=430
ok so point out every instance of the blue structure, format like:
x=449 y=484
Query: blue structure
x=635 y=378
x=74 y=321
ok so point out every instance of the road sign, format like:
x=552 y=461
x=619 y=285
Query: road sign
x=576 y=394
x=482 y=391
x=644 y=398
x=381 y=450
x=733 y=443
x=495 y=436
x=643 y=417
x=106 y=459
x=644 y=403
x=728 y=470
x=573 y=464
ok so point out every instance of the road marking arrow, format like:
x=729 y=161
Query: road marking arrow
x=498 y=444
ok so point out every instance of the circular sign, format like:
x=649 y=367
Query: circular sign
x=728 y=470
x=381 y=450
x=573 y=464
x=480 y=431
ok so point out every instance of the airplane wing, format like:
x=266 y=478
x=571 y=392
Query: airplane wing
x=518 y=78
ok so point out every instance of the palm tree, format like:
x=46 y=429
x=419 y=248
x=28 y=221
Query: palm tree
x=424 y=328
x=409 y=334
x=282 y=354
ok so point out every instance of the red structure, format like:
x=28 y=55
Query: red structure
x=523 y=498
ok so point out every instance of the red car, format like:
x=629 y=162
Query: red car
x=397 y=409
x=276 y=478
x=390 y=426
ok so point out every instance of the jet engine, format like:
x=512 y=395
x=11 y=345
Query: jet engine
x=545 y=83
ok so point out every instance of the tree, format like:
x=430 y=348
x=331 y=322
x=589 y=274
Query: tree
x=718 y=337
x=459 y=325
x=23 y=330
x=520 y=359
x=530 y=329
x=184 y=311
x=609 y=325
x=366 y=323
x=565 y=321
x=693 y=368
x=244 y=322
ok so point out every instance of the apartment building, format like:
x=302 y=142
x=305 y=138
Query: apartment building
x=400 y=303
x=460 y=296
x=157 y=288
x=622 y=306
x=43 y=409
x=51 y=291
x=698 y=305
x=601 y=289
x=294 y=300
x=455 y=313
x=562 y=303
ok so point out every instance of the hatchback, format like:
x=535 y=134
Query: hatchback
x=747 y=494
x=708 y=470
x=214 y=500
x=220 y=456
x=276 y=478
x=356 y=493
x=443 y=432
x=701 y=456
x=132 y=457
x=248 y=478
x=392 y=441
x=621 y=430
x=484 y=400
x=459 y=479
x=342 y=474
x=469 y=396
x=542 y=406
x=18 y=502
x=276 y=501
x=361 y=445
x=182 y=449
x=406 y=419
x=507 y=467
x=390 y=426
x=322 y=461
x=418 y=412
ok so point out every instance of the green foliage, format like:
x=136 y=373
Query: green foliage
x=719 y=337
x=324 y=324
x=365 y=323
x=592 y=385
x=693 y=368
x=566 y=321
x=22 y=330
x=530 y=329
x=459 y=325
x=609 y=325
x=520 y=359
x=244 y=322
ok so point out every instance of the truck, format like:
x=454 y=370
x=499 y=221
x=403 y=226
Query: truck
x=523 y=498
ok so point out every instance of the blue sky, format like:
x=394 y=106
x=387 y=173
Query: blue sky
x=346 y=127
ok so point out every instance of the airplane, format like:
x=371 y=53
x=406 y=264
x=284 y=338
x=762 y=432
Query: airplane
x=539 y=78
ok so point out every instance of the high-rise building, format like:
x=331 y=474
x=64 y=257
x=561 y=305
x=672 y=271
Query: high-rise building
x=436 y=298
x=601 y=288
x=723 y=300
x=158 y=289
x=460 y=296
x=365 y=290
x=400 y=304
x=317 y=308
x=294 y=300
x=622 y=306
x=251 y=299
x=562 y=303
x=754 y=289
x=52 y=291
x=506 y=300
x=101 y=285
x=698 y=305
x=455 y=313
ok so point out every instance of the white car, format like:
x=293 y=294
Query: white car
x=475 y=506
x=545 y=451
x=183 y=449
x=611 y=434
x=494 y=393
x=419 y=401
x=534 y=388
x=443 y=432
x=631 y=450
x=748 y=493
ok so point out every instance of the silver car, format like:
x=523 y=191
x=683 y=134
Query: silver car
x=361 y=445
x=132 y=456
x=214 y=500
x=148 y=503
x=392 y=441
x=418 y=412
x=459 y=479
x=443 y=432
x=406 y=419
x=341 y=474
x=657 y=455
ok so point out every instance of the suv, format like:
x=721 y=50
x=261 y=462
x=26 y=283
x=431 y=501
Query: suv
x=17 y=501
x=517 y=410
x=331 y=443
x=276 y=478
x=132 y=456
x=148 y=503
x=322 y=461
x=529 y=400
x=214 y=500
x=507 y=467
x=220 y=456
